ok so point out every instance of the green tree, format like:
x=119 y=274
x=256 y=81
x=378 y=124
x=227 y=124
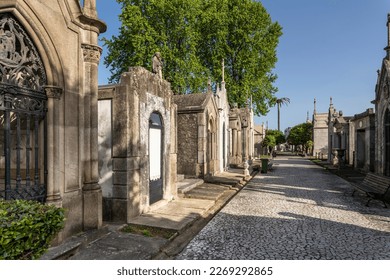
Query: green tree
x=193 y=36
x=242 y=33
x=279 y=136
x=165 y=26
x=269 y=141
x=301 y=134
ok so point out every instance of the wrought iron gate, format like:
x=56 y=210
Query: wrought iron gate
x=22 y=114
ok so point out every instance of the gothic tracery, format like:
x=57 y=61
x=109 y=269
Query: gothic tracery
x=20 y=63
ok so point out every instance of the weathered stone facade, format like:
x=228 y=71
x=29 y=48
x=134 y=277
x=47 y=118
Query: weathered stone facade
x=143 y=144
x=258 y=136
x=65 y=37
x=338 y=136
x=223 y=133
x=362 y=141
x=382 y=116
x=247 y=125
x=320 y=134
x=236 y=149
x=197 y=133
x=242 y=142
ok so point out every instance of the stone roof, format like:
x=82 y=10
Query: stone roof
x=190 y=101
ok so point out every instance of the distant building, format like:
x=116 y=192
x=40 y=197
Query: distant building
x=338 y=134
x=259 y=134
x=320 y=134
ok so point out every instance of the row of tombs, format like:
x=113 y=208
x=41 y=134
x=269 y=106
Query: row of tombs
x=113 y=149
x=148 y=135
x=362 y=140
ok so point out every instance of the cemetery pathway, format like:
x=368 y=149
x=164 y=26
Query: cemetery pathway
x=298 y=211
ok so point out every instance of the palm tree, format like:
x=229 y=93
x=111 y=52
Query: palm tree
x=280 y=102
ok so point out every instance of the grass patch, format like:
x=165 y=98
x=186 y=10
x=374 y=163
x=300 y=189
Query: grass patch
x=149 y=231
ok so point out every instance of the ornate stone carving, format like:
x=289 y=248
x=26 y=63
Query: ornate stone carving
x=20 y=63
x=21 y=100
x=91 y=53
x=53 y=92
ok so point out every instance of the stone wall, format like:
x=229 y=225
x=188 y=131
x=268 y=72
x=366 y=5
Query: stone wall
x=187 y=161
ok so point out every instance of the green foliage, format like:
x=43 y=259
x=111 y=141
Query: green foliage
x=193 y=36
x=269 y=141
x=279 y=136
x=301 y=135
x=27 y=227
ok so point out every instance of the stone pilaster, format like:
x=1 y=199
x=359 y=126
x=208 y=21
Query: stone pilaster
x=55 y=157
x=92 y=193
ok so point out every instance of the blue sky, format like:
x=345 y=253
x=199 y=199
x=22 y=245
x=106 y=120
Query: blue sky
x=329 y=48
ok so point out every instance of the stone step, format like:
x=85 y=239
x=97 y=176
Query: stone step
x=206 y=192
x=186 y=185
x=72 y=245
x=179 y=177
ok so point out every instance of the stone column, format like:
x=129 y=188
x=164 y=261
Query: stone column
x=92 y=193
x=202 y=145
x=54 y=155
x=234 y=145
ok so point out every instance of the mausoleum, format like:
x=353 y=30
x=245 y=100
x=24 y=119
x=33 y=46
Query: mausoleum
x=49 y=58
x=137 y=144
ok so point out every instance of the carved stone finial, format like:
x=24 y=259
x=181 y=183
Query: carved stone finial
x=157 y=64
x=387 y=48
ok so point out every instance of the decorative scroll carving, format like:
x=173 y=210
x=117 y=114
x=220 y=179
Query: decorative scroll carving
x=53 y=92
x=22 y=100
x=20 y=63
x=91 y=53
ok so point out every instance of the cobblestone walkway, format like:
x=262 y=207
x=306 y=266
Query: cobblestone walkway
x=298 y=211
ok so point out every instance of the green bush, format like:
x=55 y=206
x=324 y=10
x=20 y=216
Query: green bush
x=27 y=228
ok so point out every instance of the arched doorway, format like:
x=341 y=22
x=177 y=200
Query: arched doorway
x=23 y=167
x=156 y=132
x=387 y=143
